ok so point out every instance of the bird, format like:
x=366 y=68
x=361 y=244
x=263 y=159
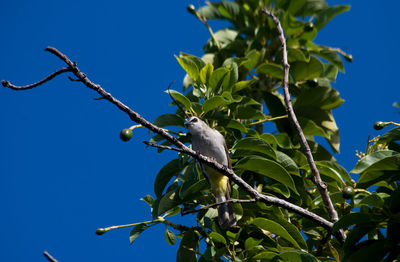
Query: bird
x=211 y=143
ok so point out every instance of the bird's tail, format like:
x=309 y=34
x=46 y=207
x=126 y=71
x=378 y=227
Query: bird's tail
x=226 y=215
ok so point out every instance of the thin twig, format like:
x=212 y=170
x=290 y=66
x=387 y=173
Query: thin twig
x=49 y=257
x=184 y=149
x=48 y=78
x=232 y=200
x=162 y=146
x=322 y=187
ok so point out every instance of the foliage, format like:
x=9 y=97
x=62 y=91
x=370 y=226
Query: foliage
x=236 y=87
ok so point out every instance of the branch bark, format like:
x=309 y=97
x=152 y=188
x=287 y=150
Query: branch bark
x=321 y=186
x=184 y=149
x=49 y=257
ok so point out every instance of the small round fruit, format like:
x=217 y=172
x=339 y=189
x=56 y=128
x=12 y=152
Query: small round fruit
x=191 y=9
x=349 y=58
x=313 y=82
x=126 y=134
x=348 y=192
x=379 y=125
x=309 y=27
x=100 y=231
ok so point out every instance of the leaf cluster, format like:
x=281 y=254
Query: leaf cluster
x=236 y=88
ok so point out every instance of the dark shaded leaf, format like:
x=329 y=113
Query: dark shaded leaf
x=167 y=202
x=303 y=70
x=256 y=145
x=271 y=69
x=326 y=15
x=170 y=237
x=168 y=171
x=267 y=168
x=273 y=227
x=169 y=120
x=187 y=247
x=351 y=219
x=136 y=231
x=148 y=199
x=217 y=237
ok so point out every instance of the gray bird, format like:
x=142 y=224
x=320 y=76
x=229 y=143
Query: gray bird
x=209 y=142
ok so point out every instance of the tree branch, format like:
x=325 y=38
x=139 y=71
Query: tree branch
x=232 y=200
x=162 y=146
x=48 y=78
x=184 y=149
x=49 y=257
x=322 y=187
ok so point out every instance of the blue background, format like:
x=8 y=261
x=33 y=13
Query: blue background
x=64 y=171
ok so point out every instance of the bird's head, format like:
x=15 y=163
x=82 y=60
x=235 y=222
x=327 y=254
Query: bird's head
x=195 y=125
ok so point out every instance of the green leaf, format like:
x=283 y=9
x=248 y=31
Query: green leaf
x=250 y=243
x=324 y=97
x=338 y=171
x=209 y=253
x=287 y=162
x=217 y=77
x=180 y=98
x=390 y=136
x=206 y=72
x=224 y=37
x=210 y=12
x=267 y=168
x=242 y=85
x=169 y=120
x=326 y=15
x=373 y=200
x=148 y=199
x=271 y=69
x=187 y=247
x=297 y=256
x=229 y=9
x=371 y=159
x=295 y=6
x=330 y=72
x=232 y=123
x=213 y=103
x=351 y=219
x=273 y=227
x=170 y=237
x=256 y=145
x=265 y=255
x=331 y=56
x=291 y=229
x=310 y=128
x=189 y=66
x=167 y=202
x=168 y=171
x=187 y=192
x=370 y=250
x=217 y=237
x=303 y=70
x=136 y=231
x=252 y=59
x=296 y=55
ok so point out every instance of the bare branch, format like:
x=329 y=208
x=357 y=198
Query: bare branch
x=184 y=149
x=49 y=257
x=48 y=78
x=322 y=187
x=232 y=200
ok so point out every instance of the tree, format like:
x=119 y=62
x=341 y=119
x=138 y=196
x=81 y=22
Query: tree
x=236 y=87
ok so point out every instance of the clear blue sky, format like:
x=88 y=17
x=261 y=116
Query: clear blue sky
x=64 y=172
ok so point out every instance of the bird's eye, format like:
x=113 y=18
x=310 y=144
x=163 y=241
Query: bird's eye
x=194 y=120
